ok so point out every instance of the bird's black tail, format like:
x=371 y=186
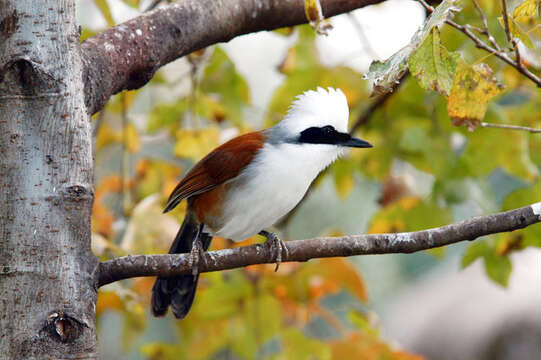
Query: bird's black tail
x=179 y=291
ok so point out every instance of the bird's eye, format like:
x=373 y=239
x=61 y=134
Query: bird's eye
x=327 y=130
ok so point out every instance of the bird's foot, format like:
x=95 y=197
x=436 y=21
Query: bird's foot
x=276 y=246
x=197 y=254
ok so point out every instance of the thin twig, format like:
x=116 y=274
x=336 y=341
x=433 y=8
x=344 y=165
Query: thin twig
x=510 y=127
x=153 y=5
x=482 y=16
x=125 y=163
x=304 y=250
x=506 y=22
x=510 y=37
x=97 y=124
x=503 y=56
x=493 y=50
x=376 y=104
x=478 y=29
x=486 y=30
x=428 y=8
x=365 y=42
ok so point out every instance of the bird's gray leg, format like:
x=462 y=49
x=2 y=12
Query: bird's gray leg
x=197 y=253
x=276 y=246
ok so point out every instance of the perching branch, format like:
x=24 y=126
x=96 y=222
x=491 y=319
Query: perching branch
x=126 y=56
x=303 y=250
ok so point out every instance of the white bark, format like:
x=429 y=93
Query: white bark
x=47 y=291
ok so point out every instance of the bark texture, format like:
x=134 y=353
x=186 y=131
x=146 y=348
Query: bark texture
x=126 y=56
x=304 y=250
x=47 y=271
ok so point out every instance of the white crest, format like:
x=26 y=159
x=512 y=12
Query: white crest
x=317 y=108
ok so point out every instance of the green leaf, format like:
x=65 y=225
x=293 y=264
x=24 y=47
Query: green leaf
x=385 y=75
x=166 y=114
x=414 y=139
x=132 y=3
x=432 y=65
x=522 y=35
x=154 y=350
x=475 y=251
x=531 y=236
x=260 y=320
x=223 y=297
x=498 y=268
x=343 y=171
x=222 y=81
x=133 y=325
x=489 y=149
x=299 y=347
x=303 y=56
x=105 y=11
x=360 y=321
x=86 y=33
x=473 y=87
x=409 y=214
x=517 y=32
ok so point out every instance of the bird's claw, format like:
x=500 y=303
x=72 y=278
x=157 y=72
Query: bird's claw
x=276 y=246
x=196 y=255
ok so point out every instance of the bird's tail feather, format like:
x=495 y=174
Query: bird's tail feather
x=179 y=291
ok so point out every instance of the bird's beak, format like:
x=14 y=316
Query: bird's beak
x=355 y=142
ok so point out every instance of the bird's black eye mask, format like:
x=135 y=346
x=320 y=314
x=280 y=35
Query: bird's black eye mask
x=329 y=135
x=322 y=135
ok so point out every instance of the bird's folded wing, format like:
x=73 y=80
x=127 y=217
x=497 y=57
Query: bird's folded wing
x=222 y=164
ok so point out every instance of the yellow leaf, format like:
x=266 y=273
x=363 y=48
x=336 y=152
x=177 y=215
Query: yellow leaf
x=314 y=14
x=409 y=202
x=526 y=9
x=359 y=345
x=343 y=273
x=517 y=31
x=131 y=138
x=290 y=61
x=438 y=252
x=102 y=218
x=312 y=9
x=154 y=350
x=380 y=226
x=195 y=144
x=473 y=87
x=105 y=11
x=121 y=102
x=108 y=300
x=106 y=136
x=343 y=177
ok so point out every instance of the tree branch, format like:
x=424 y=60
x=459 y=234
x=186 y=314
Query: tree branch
x=126 y=56
x=303 y=250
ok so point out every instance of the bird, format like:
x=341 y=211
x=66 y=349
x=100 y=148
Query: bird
x=243 y=187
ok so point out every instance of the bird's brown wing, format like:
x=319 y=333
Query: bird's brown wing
x=223 y=163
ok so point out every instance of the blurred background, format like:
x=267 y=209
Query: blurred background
x=468 y=301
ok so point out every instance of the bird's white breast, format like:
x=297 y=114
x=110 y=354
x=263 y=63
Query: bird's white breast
x=271 y=186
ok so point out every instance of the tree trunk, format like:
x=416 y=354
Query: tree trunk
x=47 y=271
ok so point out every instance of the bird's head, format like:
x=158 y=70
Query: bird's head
x=319 y=117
